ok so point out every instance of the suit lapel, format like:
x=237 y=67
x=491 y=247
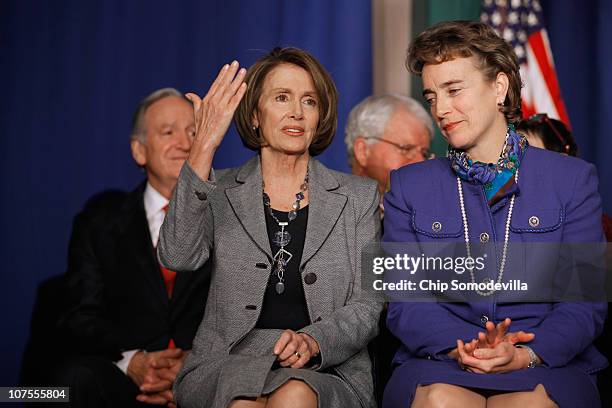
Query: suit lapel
x=325 y=207
x=181 y=283
x=138 y=241
x=246 y=200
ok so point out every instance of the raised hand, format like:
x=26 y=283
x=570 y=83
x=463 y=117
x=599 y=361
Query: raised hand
x=213 y=115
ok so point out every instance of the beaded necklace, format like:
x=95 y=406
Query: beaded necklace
x=282 y=238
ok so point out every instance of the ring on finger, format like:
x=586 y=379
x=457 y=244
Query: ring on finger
x=297 y=354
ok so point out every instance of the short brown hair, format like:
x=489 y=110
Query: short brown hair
x=324 y=86
x=457 y=39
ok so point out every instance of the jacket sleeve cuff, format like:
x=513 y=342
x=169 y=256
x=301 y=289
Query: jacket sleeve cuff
x=316 y=333
x=193 y=180
x=125 y=360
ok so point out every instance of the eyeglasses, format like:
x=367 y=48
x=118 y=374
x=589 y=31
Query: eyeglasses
x=408 y=150
x=542 y=118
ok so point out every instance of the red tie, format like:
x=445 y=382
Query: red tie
x=168 y=277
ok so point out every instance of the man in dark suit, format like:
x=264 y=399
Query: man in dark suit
x=132 y=322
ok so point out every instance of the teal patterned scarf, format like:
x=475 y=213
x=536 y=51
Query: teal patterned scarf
x=496 y=178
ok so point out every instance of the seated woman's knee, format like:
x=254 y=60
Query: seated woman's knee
x=294 y=390
x=541 y=398
x=442 y=396
x=537 y=398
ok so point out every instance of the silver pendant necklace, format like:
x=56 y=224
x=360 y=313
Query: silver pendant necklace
x=282 y=238
x=466 y=233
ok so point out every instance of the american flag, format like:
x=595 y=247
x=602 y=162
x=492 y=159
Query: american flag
x=520 y=23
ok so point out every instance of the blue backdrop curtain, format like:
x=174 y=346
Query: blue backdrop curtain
x=580 y=33
x=73 y=72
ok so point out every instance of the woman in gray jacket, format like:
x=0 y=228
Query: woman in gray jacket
x=286 y=322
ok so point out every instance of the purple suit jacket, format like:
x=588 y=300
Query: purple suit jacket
x=561 y=191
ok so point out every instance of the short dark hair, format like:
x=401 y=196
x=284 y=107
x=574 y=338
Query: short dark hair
x=324 y=86
x=461 y=39
x=554 y=134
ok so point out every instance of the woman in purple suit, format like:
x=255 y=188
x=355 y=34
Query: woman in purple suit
x=492 y=188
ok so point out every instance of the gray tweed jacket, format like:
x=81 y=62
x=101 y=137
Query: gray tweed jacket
x=224 y=219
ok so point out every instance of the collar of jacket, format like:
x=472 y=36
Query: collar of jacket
x=325 y=205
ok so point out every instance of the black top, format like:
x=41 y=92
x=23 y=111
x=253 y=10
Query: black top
x=287 y=310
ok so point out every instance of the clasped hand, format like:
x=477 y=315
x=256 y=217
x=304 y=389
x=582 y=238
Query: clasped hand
x=493 y=351
x=154 y=373
x=295 y=349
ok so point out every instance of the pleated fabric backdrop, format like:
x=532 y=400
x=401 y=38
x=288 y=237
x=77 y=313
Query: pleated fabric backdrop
x=73 y=73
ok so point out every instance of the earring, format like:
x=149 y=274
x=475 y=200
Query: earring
x=254 y=128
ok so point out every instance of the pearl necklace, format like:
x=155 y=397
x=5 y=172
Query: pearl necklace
x=466 y=234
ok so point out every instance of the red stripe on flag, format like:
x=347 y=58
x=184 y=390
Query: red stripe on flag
x=548 y=72
x=528 y=110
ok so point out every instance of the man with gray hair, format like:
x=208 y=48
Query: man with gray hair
x=133 y=321
x=386 y=132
